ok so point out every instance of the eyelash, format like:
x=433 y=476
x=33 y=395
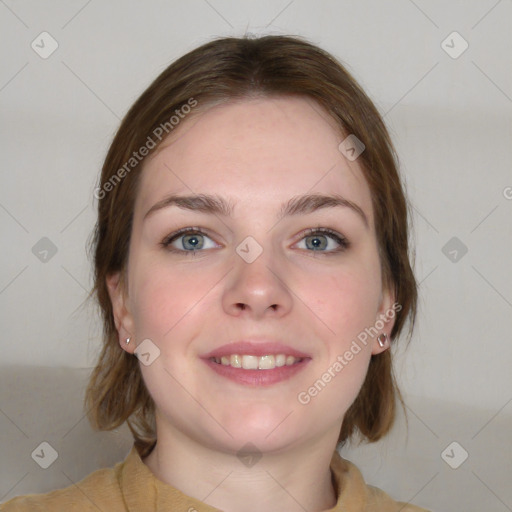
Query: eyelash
x=344 y=244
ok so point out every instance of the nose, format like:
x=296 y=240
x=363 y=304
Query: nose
x=257 y=290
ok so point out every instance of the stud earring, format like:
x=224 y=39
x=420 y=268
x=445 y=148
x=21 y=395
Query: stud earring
x=382 y=339
x=127 y=341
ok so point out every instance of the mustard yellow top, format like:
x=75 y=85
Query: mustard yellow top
x=130 y=486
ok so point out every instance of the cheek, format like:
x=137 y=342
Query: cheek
x=163 y=296
x=347 y=304
x=347 y=301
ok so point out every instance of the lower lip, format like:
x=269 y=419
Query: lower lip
x=257 y=377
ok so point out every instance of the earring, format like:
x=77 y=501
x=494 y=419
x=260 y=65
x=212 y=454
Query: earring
x=382 y=339
x=127 y=341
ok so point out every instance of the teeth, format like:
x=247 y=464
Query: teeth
x=248 y=362
x=267 y=362
x=280 y=360
x=236 y=361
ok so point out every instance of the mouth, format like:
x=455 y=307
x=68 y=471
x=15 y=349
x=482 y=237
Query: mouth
x=260 y=363
x=252 y=362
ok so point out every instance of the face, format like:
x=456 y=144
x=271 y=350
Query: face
x=260 y=275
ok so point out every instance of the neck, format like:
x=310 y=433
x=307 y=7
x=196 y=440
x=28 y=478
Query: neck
x=296 y=480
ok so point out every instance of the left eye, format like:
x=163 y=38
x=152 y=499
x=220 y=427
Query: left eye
x=324 y=240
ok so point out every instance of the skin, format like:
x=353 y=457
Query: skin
x=257 y=154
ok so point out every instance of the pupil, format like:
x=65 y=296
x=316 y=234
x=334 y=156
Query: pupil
x=316 y=242
x=192 y=241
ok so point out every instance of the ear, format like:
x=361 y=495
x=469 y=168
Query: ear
x=122 y=316
x=385 y=320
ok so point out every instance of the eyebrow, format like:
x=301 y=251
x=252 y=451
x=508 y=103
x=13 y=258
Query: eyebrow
x=298 y=205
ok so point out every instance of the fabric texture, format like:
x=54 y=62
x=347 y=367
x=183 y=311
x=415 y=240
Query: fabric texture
x=130 y=486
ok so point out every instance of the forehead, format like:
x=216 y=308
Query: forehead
x=256 y=151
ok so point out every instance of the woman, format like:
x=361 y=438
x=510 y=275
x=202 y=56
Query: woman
x=251 y=264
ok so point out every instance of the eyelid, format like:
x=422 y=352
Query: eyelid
x=183 y=231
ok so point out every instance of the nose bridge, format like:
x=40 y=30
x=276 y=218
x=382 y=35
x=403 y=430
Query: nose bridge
x=256 y=284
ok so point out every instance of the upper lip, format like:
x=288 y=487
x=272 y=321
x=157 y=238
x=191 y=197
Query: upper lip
x=255 y=348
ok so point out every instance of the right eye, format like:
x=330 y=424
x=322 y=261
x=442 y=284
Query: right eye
x=188 y=241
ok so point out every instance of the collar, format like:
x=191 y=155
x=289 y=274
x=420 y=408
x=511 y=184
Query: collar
x=143 y=492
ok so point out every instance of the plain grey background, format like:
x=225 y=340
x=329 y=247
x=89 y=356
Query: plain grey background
x=440 y=73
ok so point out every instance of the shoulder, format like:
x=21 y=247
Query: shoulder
x=379 y=500
x=98 y=491
x=356 y=495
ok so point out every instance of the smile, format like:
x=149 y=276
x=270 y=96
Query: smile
x=250 y=362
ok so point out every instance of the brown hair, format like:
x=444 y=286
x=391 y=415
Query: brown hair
x=219 y=71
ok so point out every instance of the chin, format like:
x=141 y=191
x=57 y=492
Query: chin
x=266 y=427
